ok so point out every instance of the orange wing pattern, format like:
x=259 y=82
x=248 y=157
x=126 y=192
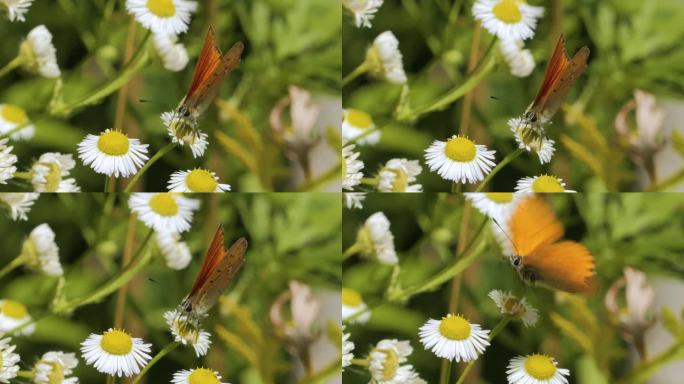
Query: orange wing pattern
x=566 y=265
x=571 y=72
x=210 y=83
x=209 y=60
x=532 y=225
x=559 y=60
x=221 y=276
x=215 y=254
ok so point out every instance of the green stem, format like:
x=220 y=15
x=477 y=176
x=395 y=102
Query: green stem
x=351 y=251
x=17 y=61
x=498 y=328
x=645 y=370
x=453 y=95
x=328 y=370
x=669 y=182
x=111 y=379
x=147 y=165
x=323 y=179
x=106 y=184
x=136 y=63
x=11 y=266
x=23 y=175
x=154 y=360
x=26 y=374
x=126 y=274
x=361 y=362
x=445 y=373
x=511 y=156
x=358 y=71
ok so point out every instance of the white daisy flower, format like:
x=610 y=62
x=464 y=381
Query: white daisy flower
x=49 y=172
x=162 y=16
x=19 y=203
x=375 y=240
x=40 y=251
x=14 y=314
x=351 y=168
x=459 y=159
x=7 y=161
x=185 y=332
x=398 y=174
x=384 y=59
x=9 y=361
x=196 y=180
x=352 y=304
x=535 y=369
x=116 y=353
x=454 y=338
x=173 y=55
x=541 y=184
x=38 y=53
x=197 y=375
x=354 y=199
x=363 y=10
x=54 y=367
x=112 y=153
x=16 y=9
x=497 y=205
x=176 y=252
x=386 y=361
x=164 y=212
x=347 y=349
x=510 y=305
x=508 y=19
x=183 y=131
x=520 y=61
x=530 y=139
x=11 y=119
x=355 y=123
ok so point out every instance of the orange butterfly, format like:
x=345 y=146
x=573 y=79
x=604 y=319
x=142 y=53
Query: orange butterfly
x=561 y=73
x=535 y=231
x=218 y=269
x=212 y=67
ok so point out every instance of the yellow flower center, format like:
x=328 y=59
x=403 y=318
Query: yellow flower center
x=454 y=327
x=116 y=342
x=13 y=309
x=56 y=375
x=161 y=8
x=14 y=114
x=389 y=368
x=351 y=297
x=203 y=376
x=359 y=119
x=400 y=182
x=511 y=305
x=199 y=180
x=164 y=204
x=500 y=197
x=113 y=143
x=508 y=11
x=54 y=177
x=460 y=149
x=545 y=184
x=540 y=367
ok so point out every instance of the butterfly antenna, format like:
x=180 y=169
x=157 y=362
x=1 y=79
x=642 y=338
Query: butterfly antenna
x=506 y=234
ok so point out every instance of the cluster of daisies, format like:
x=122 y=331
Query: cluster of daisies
x=457 y=159
x=114 y=352
x=453 y=337
x=112 y=152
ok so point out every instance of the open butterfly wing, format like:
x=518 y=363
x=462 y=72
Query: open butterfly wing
x=572 y=71
x=211 y=82
x=532 y=225
x=567 y=265
x=215 y=254
x=209 y=59
x=222 y=275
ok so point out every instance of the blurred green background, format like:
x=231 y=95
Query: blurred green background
x=285 y=45
x=291 y=236
x=638 y=230
x=634 y=44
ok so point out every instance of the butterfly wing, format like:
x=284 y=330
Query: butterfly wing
x=532 y=225
x=567 y=265
x=221 y=276
x=215 y=254
x=209 y=59
x=559 y=89
x=559 y=60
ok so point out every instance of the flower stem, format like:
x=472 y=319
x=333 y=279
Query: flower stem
x=17 y=61
x=154 y=360
x=106 y=184
x=328 y=370
x=147 y=165
x=354 y=249
x=499 y=326
x=453 y=95
x=26 y=374
x=122 y=278
x=132 y=67
x=22 y=175
x=324 y=178
x=125 y=261
x=11 y=266
x=358 y=71
x=445 y=372
x=511 y=156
